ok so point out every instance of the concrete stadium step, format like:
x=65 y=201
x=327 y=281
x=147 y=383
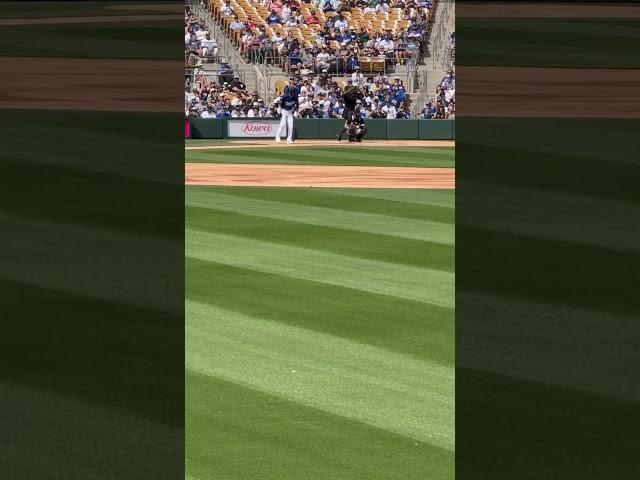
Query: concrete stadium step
x=226 y=49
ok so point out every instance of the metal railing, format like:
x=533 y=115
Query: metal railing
x=444 y=28
x=422 y=98
x=226 y=48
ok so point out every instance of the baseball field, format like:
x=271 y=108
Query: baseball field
x=319 y=330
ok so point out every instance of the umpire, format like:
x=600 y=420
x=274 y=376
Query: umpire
x=351 y=95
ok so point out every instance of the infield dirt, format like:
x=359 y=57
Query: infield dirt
x=249 y=175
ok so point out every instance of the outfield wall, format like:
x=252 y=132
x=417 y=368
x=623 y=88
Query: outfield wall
x=312 y=128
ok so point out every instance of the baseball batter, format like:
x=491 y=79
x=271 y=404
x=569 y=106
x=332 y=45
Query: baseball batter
x=288 y=104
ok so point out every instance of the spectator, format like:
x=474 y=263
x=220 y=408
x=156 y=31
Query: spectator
x=225 y=71
x=429 y=111
x=312 y=19
x=328 y=7
x=356 y=76
x=226 y=10
x=273 y=18
x=237 y=86
x=389 y=110
x=340 y=22
x=294 y=61
x=209 y=46
x=236 y=24
x=285 y=12
x=403 y=114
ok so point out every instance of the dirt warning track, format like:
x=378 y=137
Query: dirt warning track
x=251 y=175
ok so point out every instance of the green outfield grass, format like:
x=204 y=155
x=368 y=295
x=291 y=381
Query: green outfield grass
x=328 y=155
x=319 y=334
x=551 y=42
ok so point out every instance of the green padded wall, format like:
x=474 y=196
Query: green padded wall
x=314 y=128
x=206 y=128
x=437 y=129
x=328 y=128
x=377 y=128
x=306 y=128
x=403 y=129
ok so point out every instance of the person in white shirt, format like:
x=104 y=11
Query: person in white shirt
x=304 y=105
x=255 y=110
x=390 y=110
x=201 y=34
x=226 y=10
x=209 y=46
x=285 y=13
x=449 y=94
x=236 y=24
x=369 y=9
x=382 y=7
x=288 y=105
x=356 y=77
x=385 y=44
x=340 y=23
x=278 y=40
x=322 y=61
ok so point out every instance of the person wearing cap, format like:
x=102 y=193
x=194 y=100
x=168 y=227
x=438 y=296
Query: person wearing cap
x=357 y=129
x=356 y=77
x=428 y=112
x=288 y=105
x=237 y=86
x=225 y=71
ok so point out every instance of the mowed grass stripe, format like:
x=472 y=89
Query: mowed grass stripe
x=335 y=240
x=414 y=229
x=258 y=436
x=409 y=198
x=405 y=326
x=413 y=283
x=398 y=393
x=307 y=155
x=421 y=203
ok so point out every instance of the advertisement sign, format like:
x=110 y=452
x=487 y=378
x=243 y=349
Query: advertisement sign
x=252 y=127
x=187 y=128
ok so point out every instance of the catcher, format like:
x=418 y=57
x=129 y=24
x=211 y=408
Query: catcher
x=356 y=128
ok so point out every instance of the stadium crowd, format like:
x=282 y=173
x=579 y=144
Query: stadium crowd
x=198 y=44
x=443 y=105
x=334 y=34
x=323 y=64
x=319 y=96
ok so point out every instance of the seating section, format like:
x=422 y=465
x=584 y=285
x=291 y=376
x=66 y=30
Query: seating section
x=443 y=106
x=378 y=33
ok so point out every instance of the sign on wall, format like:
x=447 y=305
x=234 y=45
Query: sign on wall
x=252 y=127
